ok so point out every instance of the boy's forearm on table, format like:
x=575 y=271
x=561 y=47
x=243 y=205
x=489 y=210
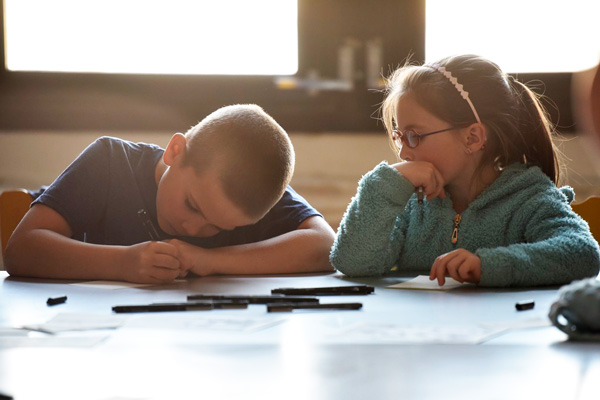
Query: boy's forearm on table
x=46 y=254
x=302 y=250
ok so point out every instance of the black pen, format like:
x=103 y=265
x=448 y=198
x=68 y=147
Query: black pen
x=310 y=306
x=185 y=306
x=327 y=291
x=525 y=305
x=148 y=225
x=56 y=300
x=254 y=299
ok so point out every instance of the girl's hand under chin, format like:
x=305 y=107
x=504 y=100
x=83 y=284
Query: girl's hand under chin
x=423 y=174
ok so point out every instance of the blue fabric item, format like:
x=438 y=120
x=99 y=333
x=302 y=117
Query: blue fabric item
x=100 y=193
x=522 y=227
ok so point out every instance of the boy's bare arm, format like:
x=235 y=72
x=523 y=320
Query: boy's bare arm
x=42 y=247
x=305 y=249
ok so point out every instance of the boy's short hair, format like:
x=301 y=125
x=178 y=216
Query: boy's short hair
x=251 y=153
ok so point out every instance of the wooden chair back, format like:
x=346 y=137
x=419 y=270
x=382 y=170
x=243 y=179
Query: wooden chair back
x=13 y=206
x=590 y=211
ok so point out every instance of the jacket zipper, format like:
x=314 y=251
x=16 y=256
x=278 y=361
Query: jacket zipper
x=457 y=219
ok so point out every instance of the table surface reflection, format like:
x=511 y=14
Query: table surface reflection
x=300 y=355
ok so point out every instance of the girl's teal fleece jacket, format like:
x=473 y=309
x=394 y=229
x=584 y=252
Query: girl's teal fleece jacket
x=522 y=228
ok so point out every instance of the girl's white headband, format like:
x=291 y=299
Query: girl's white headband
x=458 y=86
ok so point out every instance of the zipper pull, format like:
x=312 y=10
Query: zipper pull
x=457 y=219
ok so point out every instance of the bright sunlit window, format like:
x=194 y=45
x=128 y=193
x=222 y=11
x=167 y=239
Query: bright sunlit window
x=519 y=35
x=222 y=37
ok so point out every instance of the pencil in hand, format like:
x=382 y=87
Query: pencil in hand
x=420 y=195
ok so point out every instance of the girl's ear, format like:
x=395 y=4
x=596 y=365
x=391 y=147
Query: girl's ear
x=476 y=137
x=175 y=149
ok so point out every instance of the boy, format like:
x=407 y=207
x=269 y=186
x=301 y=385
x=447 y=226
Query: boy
x=215 y=201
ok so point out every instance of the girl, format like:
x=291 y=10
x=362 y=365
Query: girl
x=476 y=144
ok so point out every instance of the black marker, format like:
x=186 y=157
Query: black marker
x=327 y=291
x=525 y=305
x=56 y=300
x=255 y=299
x=186 y=306
x=148 y=225
x=310 y=306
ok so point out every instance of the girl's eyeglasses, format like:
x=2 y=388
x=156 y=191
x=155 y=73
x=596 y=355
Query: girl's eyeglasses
x=411 y=138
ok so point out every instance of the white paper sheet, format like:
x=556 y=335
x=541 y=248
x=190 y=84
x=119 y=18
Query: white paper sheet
x=78 y=322
x=224 y=323
x=529 y=323
x=417 y=334
x=12 y=332
x=422 y=282
x=50 y=341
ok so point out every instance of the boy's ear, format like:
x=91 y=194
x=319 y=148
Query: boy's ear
x=476 y=137
x=175 y=149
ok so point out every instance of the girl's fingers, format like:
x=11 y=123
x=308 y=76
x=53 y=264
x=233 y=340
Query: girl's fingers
x=468 y=273
x=440 y=270
x=431 y=189
x=443 y=265
x=453 y=267
x=460 y=264
x=432 y=271
x=440 y=274
x=439 y=180
x=437 y=264
x=436 y=186
x=421 y=173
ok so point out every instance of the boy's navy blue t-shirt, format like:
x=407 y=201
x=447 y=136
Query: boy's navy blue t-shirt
x=101 y=192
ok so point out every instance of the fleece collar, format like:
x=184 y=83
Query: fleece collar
x=513 y=179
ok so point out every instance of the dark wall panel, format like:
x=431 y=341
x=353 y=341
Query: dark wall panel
x=54 y=101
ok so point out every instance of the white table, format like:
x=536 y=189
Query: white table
x=299 y=355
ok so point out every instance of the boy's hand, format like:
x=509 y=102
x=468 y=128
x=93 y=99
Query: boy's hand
x=460 y=264
x=425 y=174
x=152 y=262
x=189 y=256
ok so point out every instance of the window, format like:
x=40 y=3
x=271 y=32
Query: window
x=519 y=35
x=222 y=37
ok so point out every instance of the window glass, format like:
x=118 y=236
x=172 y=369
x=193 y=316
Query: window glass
x=258 y=37
x=519 y=35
